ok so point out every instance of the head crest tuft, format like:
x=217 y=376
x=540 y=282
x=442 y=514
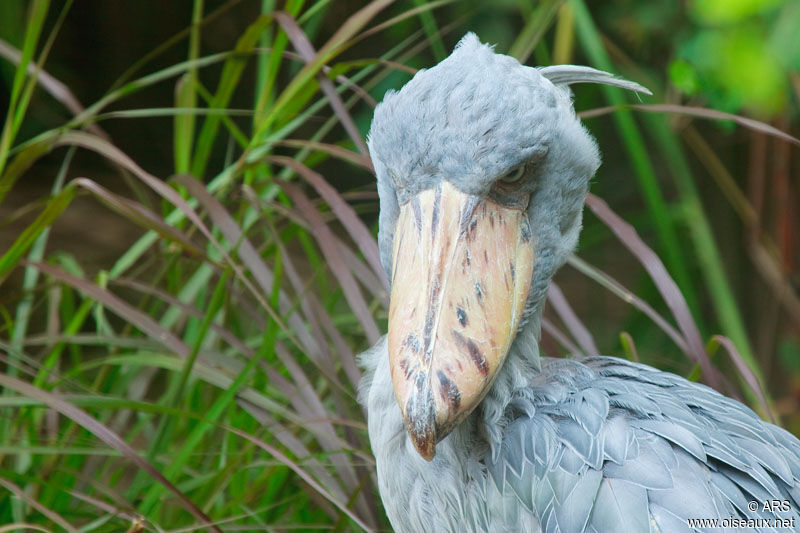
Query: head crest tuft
x=569 y=74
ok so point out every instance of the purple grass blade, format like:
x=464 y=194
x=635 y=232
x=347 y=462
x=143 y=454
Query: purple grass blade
x=139 y=319
x=314 y=310
x=629 y=297
x=363 y=273
x=260 y=271
x=114 y=154
x=344 y=80
x=324 y=237
x=306 y=50
x=331 y=149
x=17 y=491
x=699 y=112
x=108 y=508
x=140 y=215
x=664 y=283
x=576 y=328
x=104 y=433
x=745 y=371
x=314 y=466
x=55 y=87
x=559 y=336
x=344 y=212
x=186 y=309
x=303 y=474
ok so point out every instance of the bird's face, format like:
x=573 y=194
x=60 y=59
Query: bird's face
x=482 y=169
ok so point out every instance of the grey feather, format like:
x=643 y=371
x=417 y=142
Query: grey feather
x=621 y=507
x=569 y=74
x=729 y=489
x=615 y=435
x=768 y=456
x=570 y=462
x=667 y=520
x=573 y=514
x=522 y=486
x=647 y=470
x=584 y=444
x=596 y=445
x=675 y=434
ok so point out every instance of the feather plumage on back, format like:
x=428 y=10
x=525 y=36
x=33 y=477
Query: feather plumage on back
x=482 y=171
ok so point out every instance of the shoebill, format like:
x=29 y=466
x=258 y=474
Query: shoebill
x=482 y=169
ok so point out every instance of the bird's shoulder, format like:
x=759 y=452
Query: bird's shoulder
x=609 y=445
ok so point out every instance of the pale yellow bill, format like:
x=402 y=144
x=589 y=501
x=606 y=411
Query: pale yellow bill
x=460 y=278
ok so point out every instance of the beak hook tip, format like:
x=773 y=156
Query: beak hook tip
x=425 y=445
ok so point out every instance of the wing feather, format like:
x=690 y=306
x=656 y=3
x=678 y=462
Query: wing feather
x=573 y=514
x=620 y=506
x=607 y=445
x=675 y=434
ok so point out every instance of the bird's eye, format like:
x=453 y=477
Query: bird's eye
x=514 y=175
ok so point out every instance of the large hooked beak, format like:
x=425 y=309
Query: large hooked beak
x=460 y=278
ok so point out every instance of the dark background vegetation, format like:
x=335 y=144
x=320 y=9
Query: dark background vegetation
x=278 y=441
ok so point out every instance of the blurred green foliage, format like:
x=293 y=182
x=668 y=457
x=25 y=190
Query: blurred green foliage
x=739 y=53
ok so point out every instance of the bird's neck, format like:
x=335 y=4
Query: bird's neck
x=521 y=365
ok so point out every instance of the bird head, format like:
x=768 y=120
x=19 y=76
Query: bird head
x=482 y=170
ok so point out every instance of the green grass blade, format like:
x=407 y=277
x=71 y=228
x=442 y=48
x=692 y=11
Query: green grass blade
x=31 y=276
x=178 y=462
x=534 y=29
x=28 y=237
x=231 y=73
x=15 y=111
x=174 y=394
x=186 y=97
x=105 y=434
x=710 y=259
x=637 y=152
x=432 y=31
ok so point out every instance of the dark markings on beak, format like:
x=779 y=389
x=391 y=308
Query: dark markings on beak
x=449 y=391
x=474 y=352
x=462 y=316
x=426 y=356
x=421 y=402
x=471 y=230
x=437 y=200
x=404 y=367
x=465 y=223
x=421 y=414
x=417 y=214
x=412 y=341
x=526 y=230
